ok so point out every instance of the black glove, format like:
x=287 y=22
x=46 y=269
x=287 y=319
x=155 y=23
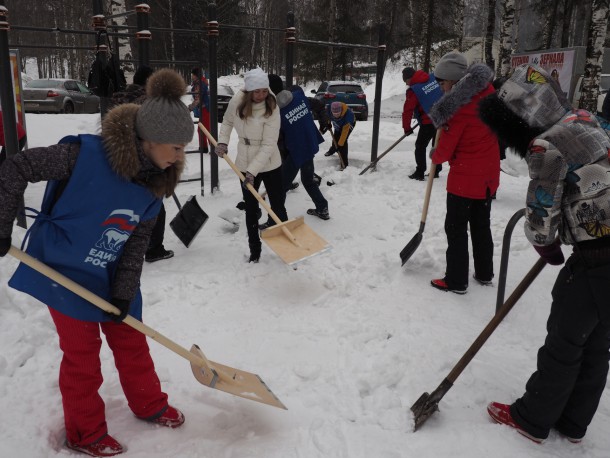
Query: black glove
x=123 y=306
x=325 y=128
x=5 y=245
x=552 y=253
x=249 y=179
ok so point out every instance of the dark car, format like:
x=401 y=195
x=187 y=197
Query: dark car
x=59 y=96
x=347 y=92
x=225 y=93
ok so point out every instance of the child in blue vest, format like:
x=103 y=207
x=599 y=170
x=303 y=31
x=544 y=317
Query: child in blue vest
x=99 y=208
x=343 y=122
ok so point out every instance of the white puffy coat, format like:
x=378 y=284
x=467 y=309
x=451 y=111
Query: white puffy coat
x=262 y=155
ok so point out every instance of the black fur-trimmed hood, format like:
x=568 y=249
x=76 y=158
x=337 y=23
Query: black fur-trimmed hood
x=476 y=79
x=126 y=157
x=526 y=105
x=510 y=128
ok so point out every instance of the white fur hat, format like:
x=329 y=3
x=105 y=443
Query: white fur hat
x=256 y=79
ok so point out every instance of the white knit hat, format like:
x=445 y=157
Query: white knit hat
x=256 y=79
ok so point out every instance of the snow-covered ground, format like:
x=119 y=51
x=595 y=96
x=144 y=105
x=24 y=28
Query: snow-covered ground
x=348 y=341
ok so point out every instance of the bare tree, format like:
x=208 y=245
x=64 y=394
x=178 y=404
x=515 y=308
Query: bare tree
x=595 y=54
x=332 y=14
x=549 y=30
x=124 y=46
x=489 y=35
x=430 y=10
x=458 y=24
x=506 y=32
x=568 y=9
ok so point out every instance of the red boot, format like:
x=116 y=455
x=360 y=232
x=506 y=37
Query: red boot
x=500 y=413
x=170 y=417
x=440 y=283
x=106 y=446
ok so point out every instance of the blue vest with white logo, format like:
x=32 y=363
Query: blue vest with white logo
x=301 y=136
x=82 y=235
x=427 y=94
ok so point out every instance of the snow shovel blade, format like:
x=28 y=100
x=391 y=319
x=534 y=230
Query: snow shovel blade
x=308 y=243
x=422 y=410
x=427 y=404
x=188 y=221
x=230 y=215
x=410 y=248
x=213 y=375
x=234 y=381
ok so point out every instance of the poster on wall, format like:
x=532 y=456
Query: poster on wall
x=559 y=64
x=17 y=87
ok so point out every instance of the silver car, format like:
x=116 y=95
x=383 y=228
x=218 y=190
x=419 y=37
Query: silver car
x=225 y=93
x=59 y=96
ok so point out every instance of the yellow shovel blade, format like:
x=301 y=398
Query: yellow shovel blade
x=234 y=381
x=306 y=244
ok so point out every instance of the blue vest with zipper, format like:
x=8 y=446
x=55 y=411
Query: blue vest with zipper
x=427 y=94
x=82 y=235
x=301 y=136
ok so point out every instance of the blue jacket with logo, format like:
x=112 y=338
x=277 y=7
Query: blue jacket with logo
x=299 y=132
x=83 y=233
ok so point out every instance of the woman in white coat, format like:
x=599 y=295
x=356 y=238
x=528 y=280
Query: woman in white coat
x=254 y=115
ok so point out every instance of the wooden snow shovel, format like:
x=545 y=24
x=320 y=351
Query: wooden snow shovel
x=208 y=373
x=292 y=240
x=410 y=248
x=427 y=404
x=374 y=163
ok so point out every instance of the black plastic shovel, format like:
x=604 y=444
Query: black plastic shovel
x=189 y=220
x=427 y=403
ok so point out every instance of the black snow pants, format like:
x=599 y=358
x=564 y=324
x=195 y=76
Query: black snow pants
x=565 y=390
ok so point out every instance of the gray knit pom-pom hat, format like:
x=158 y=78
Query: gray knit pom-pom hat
x=163 y=117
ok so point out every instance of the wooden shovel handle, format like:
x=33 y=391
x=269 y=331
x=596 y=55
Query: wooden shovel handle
x=431 y=174
x=108 y=307
x=250 y=187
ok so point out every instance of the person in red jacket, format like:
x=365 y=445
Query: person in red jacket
x=422 y=93
x=472 y=151
x=20 y=135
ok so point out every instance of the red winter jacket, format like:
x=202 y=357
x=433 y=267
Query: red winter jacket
x=471 y=149
x=412 y=104
x=20 y=131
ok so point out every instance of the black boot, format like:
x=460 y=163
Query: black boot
x=255 y=252
x=417 y=175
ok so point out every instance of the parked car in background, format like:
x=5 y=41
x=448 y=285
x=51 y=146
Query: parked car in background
x=225 y=93
x=347 y=92
x=59 y=96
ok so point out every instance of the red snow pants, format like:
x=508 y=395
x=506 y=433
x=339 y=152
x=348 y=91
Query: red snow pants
x=80 y=375
x=205 y=120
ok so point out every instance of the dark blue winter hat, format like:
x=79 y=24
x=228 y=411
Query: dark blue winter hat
x=407 y=73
